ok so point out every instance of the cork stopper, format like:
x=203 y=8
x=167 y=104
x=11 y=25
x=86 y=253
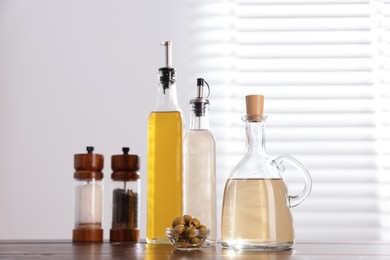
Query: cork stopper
x=254 y=107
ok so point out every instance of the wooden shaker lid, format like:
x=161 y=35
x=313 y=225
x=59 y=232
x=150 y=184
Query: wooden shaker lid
x=88 y=165
x=125 y=166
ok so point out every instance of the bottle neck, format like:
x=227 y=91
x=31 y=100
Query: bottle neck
x=199 y=122
x=255 y=143
x=167 y=99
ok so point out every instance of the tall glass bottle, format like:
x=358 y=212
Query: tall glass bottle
x=199 y=190
x=165 y=135
x=256 y=205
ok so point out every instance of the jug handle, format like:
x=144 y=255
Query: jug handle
x=279 y=163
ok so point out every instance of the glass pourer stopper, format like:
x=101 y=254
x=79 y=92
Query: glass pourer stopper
x=199 y=103
x=167 y=74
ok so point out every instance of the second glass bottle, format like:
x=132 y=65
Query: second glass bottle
x=199 y=190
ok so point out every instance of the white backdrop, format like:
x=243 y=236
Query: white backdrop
x=72 y=74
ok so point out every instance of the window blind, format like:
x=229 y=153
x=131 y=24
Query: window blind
x=323 y=68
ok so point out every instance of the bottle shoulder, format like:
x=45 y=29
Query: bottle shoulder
x=167 y=100
x=203 y=134
x=166 y=115
x=250 y=167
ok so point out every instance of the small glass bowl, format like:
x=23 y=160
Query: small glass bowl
x=182 y=243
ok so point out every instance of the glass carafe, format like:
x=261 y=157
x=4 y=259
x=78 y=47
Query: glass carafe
x=256 y=204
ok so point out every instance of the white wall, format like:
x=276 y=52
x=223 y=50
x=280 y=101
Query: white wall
x=75 y=73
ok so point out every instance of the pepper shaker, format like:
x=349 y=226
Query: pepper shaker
x=88 y=197
x=125 y=197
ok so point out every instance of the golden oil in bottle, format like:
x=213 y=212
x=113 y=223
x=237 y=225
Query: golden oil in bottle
x=164 y=173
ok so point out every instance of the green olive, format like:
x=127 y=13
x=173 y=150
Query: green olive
x=195 y=240
x=182 y=242
x=202 y=233
x=202 y=227
x=195 y=222
x=190 y=232
x=187 y=219
x=178 y=229
x=178 y=221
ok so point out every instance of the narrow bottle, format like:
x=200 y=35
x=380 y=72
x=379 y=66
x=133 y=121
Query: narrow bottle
x=199 y=187
x=88 y=197
x=125 y=197
x=165 y=166
x=256 y=205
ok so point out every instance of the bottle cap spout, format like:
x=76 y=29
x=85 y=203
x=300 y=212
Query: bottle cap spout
x=254 y=107
x=200 y=84
x=199 y=103
x=168 y=53
x=167 y=73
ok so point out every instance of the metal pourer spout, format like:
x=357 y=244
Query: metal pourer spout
x=167 y=73
x=199 y=103
x=168 y=53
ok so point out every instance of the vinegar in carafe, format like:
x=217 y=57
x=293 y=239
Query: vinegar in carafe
x=255 y=211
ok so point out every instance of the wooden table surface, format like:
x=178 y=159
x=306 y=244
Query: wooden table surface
x=68 y=250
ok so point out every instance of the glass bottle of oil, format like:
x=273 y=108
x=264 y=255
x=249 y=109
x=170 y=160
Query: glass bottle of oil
x=165 y=134
x=199 y=186
x=256 y=205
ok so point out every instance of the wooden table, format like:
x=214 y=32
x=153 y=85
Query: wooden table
x=67 y=250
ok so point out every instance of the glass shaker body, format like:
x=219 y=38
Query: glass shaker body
x=88 y=204
x=125 y=197
x=88 y=197
x=256 y=205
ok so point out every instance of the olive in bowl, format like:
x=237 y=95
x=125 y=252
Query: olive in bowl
x=187 y=233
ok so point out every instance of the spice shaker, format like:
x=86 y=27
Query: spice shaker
x=125 y=197
x=88 y=197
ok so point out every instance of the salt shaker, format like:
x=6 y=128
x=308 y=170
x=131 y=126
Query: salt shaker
x=88 y=197
x=125 y=197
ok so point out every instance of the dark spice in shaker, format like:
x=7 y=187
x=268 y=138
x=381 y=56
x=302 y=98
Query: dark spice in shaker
x=125 y=209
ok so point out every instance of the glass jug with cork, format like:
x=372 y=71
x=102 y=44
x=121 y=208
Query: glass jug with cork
x=256 y=204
